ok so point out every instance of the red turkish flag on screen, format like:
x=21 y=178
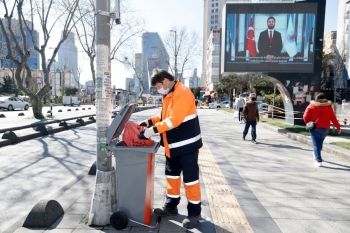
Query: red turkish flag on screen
x=251 y=47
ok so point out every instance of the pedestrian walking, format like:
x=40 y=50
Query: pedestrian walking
x=240 y=103
x=321 y=112
x=251 y=117
x=178 y=125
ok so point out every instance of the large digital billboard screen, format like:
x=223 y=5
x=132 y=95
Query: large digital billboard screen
x=269 y=37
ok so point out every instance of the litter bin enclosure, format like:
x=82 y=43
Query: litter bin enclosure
x=134 y=171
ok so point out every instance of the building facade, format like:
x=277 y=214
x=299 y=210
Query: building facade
x=329 y=43
x=213 y=74
x=343 y=41
x=154 y=55
x=34 y=59
x=194 y=80
x=68 y=57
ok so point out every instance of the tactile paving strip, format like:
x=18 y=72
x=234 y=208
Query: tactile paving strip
x=226 y=213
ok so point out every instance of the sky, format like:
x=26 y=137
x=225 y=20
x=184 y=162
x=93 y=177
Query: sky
x=160 y=15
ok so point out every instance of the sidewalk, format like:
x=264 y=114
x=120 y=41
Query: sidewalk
x=269 y=187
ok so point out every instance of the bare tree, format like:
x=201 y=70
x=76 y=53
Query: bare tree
x=133 y=61
x=122 y=35
x=50 y=15
x=185 y=51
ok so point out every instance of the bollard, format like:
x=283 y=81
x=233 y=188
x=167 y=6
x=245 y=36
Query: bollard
x=10 y=136
x=44 y=214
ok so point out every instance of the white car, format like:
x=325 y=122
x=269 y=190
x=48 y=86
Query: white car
x=11 y=103
x=224 y=104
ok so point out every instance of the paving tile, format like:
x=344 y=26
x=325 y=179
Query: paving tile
x=67 y=221
x=263 y=225
x=280 y=212
x=291 y=225
x=31 y=230
x=327 y=203
x=331 y=214
x=78 y=208
x=305 y=213
x=340 y=226
x=271 y=201
x=252 y=208
x=85 y=198
x=317 y=226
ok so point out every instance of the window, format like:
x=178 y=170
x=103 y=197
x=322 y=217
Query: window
x=216 y=27
x=211 y=28
x=215 y=59
x=217 y=4
x=212 y=10
x=212 y=5
x=216 y=47
x=216 y=18
x=212 y=19
x=216 y=10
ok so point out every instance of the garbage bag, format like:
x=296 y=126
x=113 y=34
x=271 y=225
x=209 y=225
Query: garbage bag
x=131 y=135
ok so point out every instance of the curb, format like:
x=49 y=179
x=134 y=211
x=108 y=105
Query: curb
x=327 y=147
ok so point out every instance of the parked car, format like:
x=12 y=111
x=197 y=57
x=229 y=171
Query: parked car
x=224 y=104
x=11 y=103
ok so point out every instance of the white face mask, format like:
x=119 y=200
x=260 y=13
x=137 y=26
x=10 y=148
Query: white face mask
x=163 y=91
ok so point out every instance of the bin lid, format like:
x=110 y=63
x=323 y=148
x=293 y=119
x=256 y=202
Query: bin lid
x=117 y=125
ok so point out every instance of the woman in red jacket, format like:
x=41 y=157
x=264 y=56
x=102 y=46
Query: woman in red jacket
x=321 y=112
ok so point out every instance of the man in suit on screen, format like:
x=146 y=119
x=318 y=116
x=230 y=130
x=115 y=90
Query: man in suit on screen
x=270 y=41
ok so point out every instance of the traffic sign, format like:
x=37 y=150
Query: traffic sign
x=38 y=80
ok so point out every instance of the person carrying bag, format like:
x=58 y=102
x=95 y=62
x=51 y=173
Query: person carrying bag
x=321 y=108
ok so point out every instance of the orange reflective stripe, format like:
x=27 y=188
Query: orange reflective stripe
x=147 y=216
x=173 y=186
x=193 y=192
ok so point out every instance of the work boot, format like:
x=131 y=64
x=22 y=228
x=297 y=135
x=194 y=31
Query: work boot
x=191 y=221
x=165 y=211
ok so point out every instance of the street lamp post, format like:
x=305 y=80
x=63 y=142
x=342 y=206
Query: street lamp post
x=175 y=55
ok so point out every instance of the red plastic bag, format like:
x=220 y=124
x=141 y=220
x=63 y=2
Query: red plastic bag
x=131 y=135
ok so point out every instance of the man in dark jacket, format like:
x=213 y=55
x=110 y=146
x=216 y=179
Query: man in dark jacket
x=270 y=41
x=251 y=116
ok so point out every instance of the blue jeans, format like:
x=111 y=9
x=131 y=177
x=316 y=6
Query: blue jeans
x=318 y=135
x=246 y=128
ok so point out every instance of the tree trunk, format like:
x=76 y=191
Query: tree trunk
x=37 y=108
x=92 y=67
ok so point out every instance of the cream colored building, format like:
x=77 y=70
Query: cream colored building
x=213 y=59
x=329 y=41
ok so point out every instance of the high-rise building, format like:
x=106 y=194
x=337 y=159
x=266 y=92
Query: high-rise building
x=34 y=59
x=129 y=84
x=343 y=40
x=68 y=57
x=154 y=55
x=194 y=80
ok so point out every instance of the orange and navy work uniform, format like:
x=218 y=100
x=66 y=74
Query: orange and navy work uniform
x=180 y=132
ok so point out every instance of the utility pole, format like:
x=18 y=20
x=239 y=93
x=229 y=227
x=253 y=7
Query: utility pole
x=104 y=197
